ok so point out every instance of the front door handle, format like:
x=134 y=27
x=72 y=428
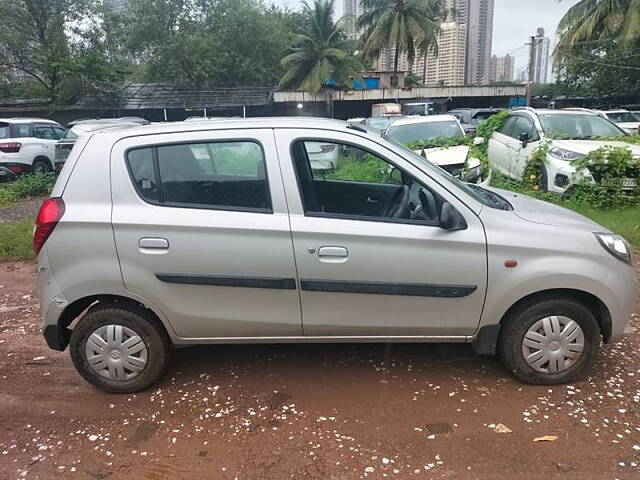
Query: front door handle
x=372 y=200
x=333 y=252
x=154 y=243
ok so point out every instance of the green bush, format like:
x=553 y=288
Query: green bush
x=16 y=240
x=32 y=185
x=439 y=142
x=370 y=169
x=610 y=166
x=489 y=126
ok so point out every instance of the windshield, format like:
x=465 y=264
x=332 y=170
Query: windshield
x=69 y=134
x=482 y=116
x=444 y=175
x=425 y=131
x=576 y=126
x=379 y=124
x=623 y=117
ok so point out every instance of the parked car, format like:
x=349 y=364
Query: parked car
x=470 y=118
x=571 y=134
x=142 y=247
x=323 y=156
x=77 y=128
x=379 y=124
x=6 y=175
x=628 y=121
x=419 y=108
x=455 y=159
x=28 y=144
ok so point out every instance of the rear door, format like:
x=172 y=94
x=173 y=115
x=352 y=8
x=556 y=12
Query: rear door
x=202 y=231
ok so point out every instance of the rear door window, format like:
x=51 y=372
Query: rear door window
x=216 y=175
x=5 y=130
x=21 y=130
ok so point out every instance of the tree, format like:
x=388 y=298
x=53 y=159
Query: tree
x=208 y=43
x=406 y=26
x=321 y=53
x=59 y=45
x=593 y=21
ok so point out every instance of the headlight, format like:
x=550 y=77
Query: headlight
x=616 y=246
x=562 y=154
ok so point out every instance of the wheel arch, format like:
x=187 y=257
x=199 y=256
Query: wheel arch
x=486 y=340
x=44 y=158
x=58 y=335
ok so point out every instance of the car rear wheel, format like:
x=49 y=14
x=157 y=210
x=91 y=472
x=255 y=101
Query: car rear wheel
x=41 y=165
x=119 y=349
x=549 y=341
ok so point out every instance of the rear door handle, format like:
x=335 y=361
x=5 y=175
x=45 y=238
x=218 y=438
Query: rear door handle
x=154 y=243
x=372 y=200
x=333 y=252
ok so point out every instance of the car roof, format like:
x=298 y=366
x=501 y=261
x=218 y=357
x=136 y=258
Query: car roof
x=88 y=126
x=28 y=120
x=413 y=120
x=103 y=121
x=124 y=131
x=618 y=110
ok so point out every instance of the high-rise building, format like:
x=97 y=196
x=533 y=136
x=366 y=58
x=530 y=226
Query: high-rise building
x=541 y=48
x=447 y=67
x=501 y=69
x=478 y=17
x=118 y=6
x=352 y=11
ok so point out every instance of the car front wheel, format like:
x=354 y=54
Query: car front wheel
x=119 y=349
x=549 y=341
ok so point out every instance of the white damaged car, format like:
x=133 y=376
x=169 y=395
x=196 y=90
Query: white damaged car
x=414 y=129
x=571 y=134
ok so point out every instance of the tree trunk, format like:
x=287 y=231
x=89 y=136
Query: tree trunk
x=424 y=71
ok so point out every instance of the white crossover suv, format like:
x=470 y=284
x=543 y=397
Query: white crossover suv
x=158 y=236
x=455 y=159
x=28 y=144
x=571 y=134
x=626 y=120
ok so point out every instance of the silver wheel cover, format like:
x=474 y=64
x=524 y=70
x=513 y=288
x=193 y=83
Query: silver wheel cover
x=116 y=352
x=553 y=344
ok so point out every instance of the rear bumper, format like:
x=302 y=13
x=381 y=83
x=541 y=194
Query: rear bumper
x=6 y=175
x=16 y=167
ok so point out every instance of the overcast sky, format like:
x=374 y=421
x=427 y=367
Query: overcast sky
x=514 y=22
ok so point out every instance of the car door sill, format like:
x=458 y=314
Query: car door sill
x=328 y=339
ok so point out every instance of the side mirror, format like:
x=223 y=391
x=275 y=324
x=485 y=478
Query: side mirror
x=524 y=138
x=450 y=218
x=478 y=141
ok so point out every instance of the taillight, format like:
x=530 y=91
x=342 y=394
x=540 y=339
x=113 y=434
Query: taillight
x=327 y=148
x=10 y=147
x=49 y=215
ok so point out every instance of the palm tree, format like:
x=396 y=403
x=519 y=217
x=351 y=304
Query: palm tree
x=321 y=53
x=405 y=25
x=593 y=21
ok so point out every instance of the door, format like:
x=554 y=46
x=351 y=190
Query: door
x=202 y=231
x=523 y=152
x=48 y=137
x=499 y=150
x=369 y=272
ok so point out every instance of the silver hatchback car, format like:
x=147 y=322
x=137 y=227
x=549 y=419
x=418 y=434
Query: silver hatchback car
x=223 y=232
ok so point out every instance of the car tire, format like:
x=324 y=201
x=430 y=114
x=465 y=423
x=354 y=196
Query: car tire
x=41 y=165
x=115 y=325
x=519 y=333
x=543 y=179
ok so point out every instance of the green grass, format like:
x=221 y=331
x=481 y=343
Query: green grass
x=16 y=240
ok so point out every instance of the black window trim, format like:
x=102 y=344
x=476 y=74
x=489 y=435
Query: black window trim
x=349 y=217
x=197 y=206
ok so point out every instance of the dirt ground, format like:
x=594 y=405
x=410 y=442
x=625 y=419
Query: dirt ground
x=309 y=412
